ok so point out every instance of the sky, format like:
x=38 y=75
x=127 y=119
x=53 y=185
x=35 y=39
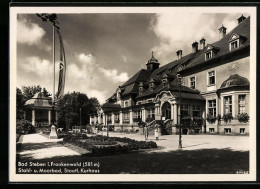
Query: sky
x=104 y=50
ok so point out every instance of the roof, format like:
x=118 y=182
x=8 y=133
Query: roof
x=234 y=81
x=39 y=100
x=142 y=75
x=243 y=29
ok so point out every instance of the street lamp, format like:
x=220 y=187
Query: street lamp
x=179 y=82
x=80 y=118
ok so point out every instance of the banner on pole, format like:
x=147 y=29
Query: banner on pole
x=62 y=69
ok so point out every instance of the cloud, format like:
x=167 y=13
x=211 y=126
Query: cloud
x=114 y=75
x=30 y=33
x=100 y=95
x=124 y=59
x=34 y=64
x=179 y=31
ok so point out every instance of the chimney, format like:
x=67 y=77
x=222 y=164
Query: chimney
x=241 y=18
x=194 y=47
x=179 y=54
x=222 y=32
x=202 y=43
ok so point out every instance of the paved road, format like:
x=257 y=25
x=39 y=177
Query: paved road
x=36 y=146
x=194 y=142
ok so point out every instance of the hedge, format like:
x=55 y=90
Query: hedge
x=103 y=144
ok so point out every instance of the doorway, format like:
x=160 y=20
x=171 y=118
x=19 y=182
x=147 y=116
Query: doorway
x=166 y=110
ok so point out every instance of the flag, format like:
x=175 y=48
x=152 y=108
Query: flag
x=62 y=69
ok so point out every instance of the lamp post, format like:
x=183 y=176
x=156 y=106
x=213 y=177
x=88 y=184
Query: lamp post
x=80 y=118
x=179 y=82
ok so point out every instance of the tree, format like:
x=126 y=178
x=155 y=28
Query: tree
x=30 y=91
x=69 y=109
x=20 y=100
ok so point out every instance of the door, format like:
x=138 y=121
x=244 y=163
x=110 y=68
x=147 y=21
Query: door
x=166 y=110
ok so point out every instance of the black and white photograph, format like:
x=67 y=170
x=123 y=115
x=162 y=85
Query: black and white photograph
x=118 y=94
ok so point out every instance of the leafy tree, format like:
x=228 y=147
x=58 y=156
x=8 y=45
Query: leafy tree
x=30 y=91
x=20 y=100
x=69 y=109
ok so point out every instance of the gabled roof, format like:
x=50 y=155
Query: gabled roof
x=243 y=29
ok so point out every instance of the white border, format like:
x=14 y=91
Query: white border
x=13 y=177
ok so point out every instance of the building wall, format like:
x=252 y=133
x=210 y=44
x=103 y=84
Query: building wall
x=222 y=72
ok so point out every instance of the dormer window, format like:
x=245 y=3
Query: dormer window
x=235 y=41
x=234 y=45
x=208 y=55
x=151 y=87
x=164 y=81
x=141 y=88
x=210 y=51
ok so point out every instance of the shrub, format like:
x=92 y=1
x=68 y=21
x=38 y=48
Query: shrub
x=243 y=118
x=149 y=119
x=24 y=127
x=137 y=120
x=227 y=117
x=197 y=121
x=102 y=144
x=211 y=119
x=186 y=121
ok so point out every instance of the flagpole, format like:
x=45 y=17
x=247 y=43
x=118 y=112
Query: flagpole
x=53 y=133
x=53 y=96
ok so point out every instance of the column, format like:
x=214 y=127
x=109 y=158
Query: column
x=222 y=106
x=175 y=115
x=95 y=119
x=234 y=106
x=99 y=118
x=121 y=117
x=90 y=119
x=131 y=117
x=33 y=117
x=113 y=118
x=104 y=118
x=49 y=117
x=172 y=111
x=143 y=114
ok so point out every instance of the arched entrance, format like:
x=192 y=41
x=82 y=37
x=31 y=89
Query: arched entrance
x=166 y=110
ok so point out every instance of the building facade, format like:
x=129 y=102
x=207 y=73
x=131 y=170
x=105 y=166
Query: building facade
x=212 y=95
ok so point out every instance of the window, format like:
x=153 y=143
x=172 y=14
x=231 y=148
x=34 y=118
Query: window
x=116 y=116
x=212 y=130
x=241 y=104
x=109 y=120
x=211 y=78
x=164 y=82
x=151 y=86
x=212 y=107
x=192 y=83
x=242 y=130
x=196 y=111
x=126 y=115
x=150 y=112
x=208 y=55
x=227 y=130
x=184 y=110
x=233 y=45
x=126 y=104
x=138 y=114
x=227 y=104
